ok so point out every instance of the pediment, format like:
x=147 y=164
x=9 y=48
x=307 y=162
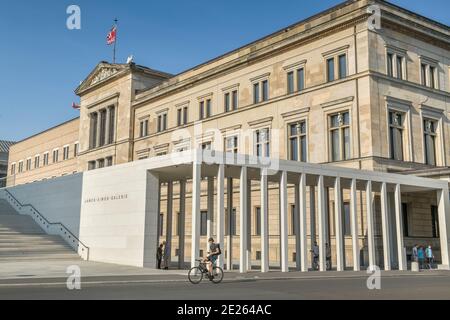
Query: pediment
x=102 y=72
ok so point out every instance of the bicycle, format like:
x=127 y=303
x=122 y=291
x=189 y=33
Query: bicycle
x=196 y=274
x=316 y=266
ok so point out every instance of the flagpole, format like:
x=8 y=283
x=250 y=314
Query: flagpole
x=115 y=42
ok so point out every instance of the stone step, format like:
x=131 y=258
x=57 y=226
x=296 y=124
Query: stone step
x=33 y=246
x=38 y=257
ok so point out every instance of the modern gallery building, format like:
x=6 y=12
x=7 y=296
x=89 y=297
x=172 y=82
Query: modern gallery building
x=335 y=129
x=4 y=151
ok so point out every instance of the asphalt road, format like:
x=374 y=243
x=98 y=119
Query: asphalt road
x=393 y=287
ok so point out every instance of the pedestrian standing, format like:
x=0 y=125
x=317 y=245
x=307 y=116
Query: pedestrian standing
x=421 y=257
x=159 y=255
x=415 y=253
x=429 y=256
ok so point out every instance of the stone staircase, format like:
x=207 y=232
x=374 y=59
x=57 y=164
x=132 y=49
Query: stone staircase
x=22 y=239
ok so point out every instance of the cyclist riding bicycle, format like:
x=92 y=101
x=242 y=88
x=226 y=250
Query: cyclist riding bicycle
x=213 y=254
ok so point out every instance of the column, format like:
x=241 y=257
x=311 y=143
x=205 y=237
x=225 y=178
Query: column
x=108 y=125
x=284 y=222
x=264 y=222
x=322 y=226
x=402 y=266
x=296 y=223
x=385 y=227
x=303 y=240
x=221 y=212
x=230 y=219
x=249 y=225
x=169 y=216
x=243 y=220
x=444 y=230
x=354 y=226
x=99 y=126
x=210 y=218
x=182 y=226
x=370 y=224
x=196 y=188
x=312 y=213
x=338 y=225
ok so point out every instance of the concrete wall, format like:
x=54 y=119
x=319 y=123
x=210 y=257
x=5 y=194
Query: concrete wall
x=58 y=200
x=119 y=215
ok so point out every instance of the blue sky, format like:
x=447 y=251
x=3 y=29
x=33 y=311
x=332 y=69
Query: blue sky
x=42 y=62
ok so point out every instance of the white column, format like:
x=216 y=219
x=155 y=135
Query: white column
x=338 y=225
x=169 y=215
x=385 y=227
x=196 y=188
x=444 y=226
x=312 y=213
x=370 y=224
x=249 y=225
x=108 y=125
x=182 y=226
x=322 y=226
x=354 y=226
x=243 y=220
x=296 y=223
x=303 y=239
x=264 y=223
x=210 y=218
x=99 y=126
x=221 y=212
x=402 y=266
x=230 y=219
x=284 y=222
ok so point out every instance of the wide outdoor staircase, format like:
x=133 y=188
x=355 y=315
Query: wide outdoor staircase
x=22 y=239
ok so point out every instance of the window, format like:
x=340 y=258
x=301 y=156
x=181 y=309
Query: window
x=390 y=64
x=396 y=130
x=91 y=165
x=256 y=93
x=435 y=221
x=292 y=224
x=258 y=221
x=46 y=156
x=405 y=219
x=37 y=160
x=296 y=80
x=101 y=163
x=231 y=101
x=340 y=136
x=162 y=122
x=396 y=62
x=258 y=255
x=112 y=125
x=330 y=69
x=161 y=225
x=76 y=146
x=102 y=132
x=182 y=116
x=290 y=81
x=430 y=141
x=262 y=142
x=297 y=141
x=429 y=74
x=109 y=161
x=265 y=90
x=300 y=79
x=400 y=60
x=55 y=155
x=205 y=109
x=261 y=91
x=93 y=130
x=203 y=223
x=66 y=153
x=20 y=166
x=28 y=164
x=206 y=145
x=347 y=222
x=143 y=128
x=230 y=222
x=342 y=66
x=231 y=144
x=13 y=169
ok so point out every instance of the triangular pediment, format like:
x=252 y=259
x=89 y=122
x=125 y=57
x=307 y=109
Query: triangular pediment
x=102 y=72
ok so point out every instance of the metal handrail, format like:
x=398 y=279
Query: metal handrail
x=66 y=230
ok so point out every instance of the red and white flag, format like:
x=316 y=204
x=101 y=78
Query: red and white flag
x=111 y=37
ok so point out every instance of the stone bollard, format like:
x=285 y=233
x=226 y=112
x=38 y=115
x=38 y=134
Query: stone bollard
x=415 y=266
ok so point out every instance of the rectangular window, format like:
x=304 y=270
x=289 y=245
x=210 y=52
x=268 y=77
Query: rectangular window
x=208 y=108
x=290 y=82
x=162 y=122
x=265 y=90
x=330 y=69
x=20 y=166
x=28 y=164
x=37 y=162
x=178 y=229
x=292 y=224
x=46 y=156
x=430 y=141
x=143 y=128
x=258 y=221
x=13 y=169
x=161 y=225
x=109 y=161
x=347 y=221
x=235 y=100
x=101 y=163
x=93 y=130
x=297 y=141
x=342 y=66
x=102 y=127
x=340 y=136
x=227 y=102
x=424 y=74
x=233 y=228
x=231 y=145
x=405 y=219
x=262 y=142
x=400 y=67
x=390 y=64
x=396 y=135
x=433 y=77
x=66 y=151
x=202 y=110
x=203 y=223
x=112 y=125
x=256 y=93
x=55 y=156
x=435 y=221
x=300 y=79
x=76 y=146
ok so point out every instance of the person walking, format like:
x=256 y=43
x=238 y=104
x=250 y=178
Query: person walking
x=329 y=266
x=414 y=256
x=315 y=256
x=159 y=255
x=421 y=257
x=429 y=256
x=166 y=255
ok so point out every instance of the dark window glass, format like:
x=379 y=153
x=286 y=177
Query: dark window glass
x=300 y=79
x=390 y=64
x=342 y=66
x=256 y=93
x=265 y=89
x=435 y=221
x=203 y=223
x=290 y=82
x=330 y=69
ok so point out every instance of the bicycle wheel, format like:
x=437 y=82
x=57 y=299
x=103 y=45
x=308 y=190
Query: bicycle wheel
x=217 y=275
x=195 y=275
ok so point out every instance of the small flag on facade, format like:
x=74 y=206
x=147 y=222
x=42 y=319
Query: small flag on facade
x=111 y=38
x=75 y=106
